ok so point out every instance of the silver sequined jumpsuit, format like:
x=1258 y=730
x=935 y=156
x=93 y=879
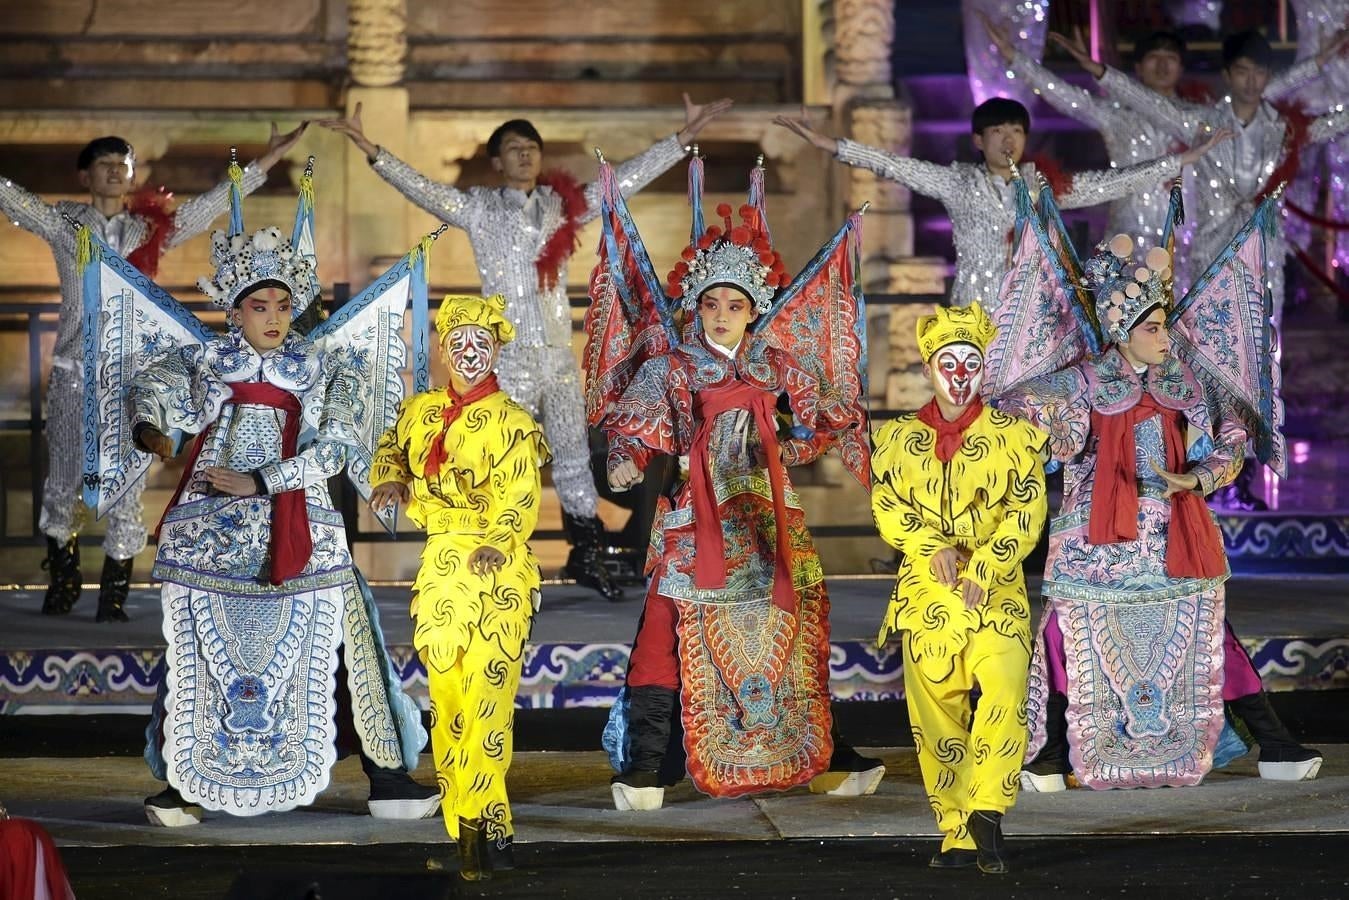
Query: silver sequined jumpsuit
x=507 y=228
x=124 y=233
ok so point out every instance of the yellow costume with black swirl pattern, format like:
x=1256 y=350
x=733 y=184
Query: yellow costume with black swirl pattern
x=989 y=503
x=470 y=629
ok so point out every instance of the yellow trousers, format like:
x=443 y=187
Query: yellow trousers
x=472 y=722
x=969 y=766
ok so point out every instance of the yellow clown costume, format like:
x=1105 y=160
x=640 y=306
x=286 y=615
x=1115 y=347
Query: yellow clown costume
x=987 y=501
x=472 y=465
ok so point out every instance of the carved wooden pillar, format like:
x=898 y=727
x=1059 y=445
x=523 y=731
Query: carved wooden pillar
x=376 y=55
x=866 y=108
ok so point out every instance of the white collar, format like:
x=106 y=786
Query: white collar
x=729 y=354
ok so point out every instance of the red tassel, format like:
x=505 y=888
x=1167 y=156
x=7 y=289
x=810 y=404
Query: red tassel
x=566 y=240
x=1298 y=122
x=155 y=206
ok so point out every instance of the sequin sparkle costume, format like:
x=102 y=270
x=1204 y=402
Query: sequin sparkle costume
x=982 y=206
x=124 y=233
x=508 y=230
x=1233 y=176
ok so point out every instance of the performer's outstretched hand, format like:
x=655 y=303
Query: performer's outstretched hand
x=351 y=127
x=1191 y=156
x=1077 y=49
x=1176 y=482
x=801 y=128
x=278 y=145
x=624 y=475
x=486 y=560
x=997 y=33
x=971 y=594
x=385 y=496
x=696 y=117
x=228 y=481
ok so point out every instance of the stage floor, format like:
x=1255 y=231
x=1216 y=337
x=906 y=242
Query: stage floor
x=1232 y=836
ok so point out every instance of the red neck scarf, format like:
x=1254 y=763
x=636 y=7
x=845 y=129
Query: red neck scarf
x=437 y=456
x=949 y=434
x=1194 y=549
x=292 y=544
x=709 y=560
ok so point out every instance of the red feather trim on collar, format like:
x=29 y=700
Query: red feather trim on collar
x=1297 y=122
x=154 y=205
x=565 y=241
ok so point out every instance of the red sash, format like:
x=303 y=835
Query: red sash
x=1194 y=549
x=709 y=561
x=292 y=544
x=436 y=455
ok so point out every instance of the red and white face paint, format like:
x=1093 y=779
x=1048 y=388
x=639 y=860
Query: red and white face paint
x=957 y=373
x=471 y=352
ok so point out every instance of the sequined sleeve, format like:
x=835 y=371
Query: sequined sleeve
x=636 y=173
x=444 y=201
x=196 y=215
x=1180 y=120
x=29 y=211
x=918 y=175
x=1292 y=78
x=1330 y=126
x=1090 y=188
x=1069 y=99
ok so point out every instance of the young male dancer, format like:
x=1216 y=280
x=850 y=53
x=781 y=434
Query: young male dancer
x=138 y=227
x=980 y=197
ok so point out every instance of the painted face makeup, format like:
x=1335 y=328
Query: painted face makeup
x=264 y=317
x=958 y=372
x=471 y=352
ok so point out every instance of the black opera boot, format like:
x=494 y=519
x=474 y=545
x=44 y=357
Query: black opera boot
x=585 y=562
x=395 y=795
x=470 y=844
x=497 y=854
x=986 y=828
x=112 y=590
x=650 y=711
x=850 y=774
x=1048 y=772
x=63 y=564
x=954 y=859
x=1282 y=758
